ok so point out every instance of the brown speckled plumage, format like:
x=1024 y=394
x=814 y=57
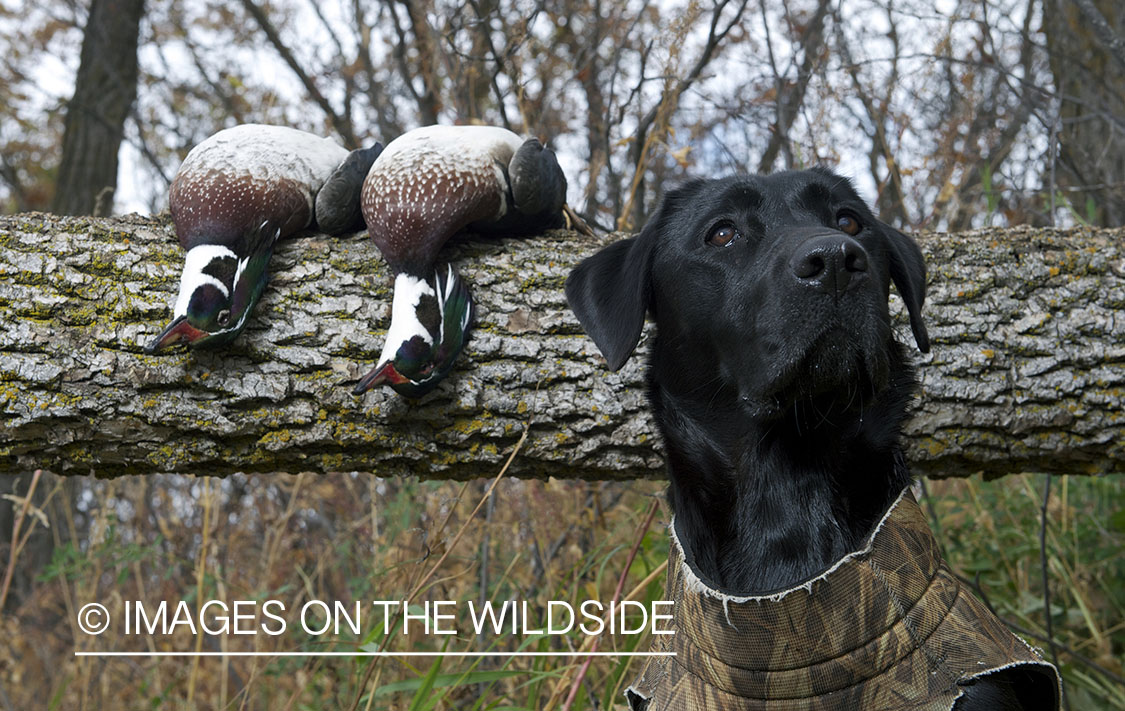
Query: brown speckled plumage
x=430 y=183
x=242 y=176
x=216 y=208
x=426 y=186
x=234 y=195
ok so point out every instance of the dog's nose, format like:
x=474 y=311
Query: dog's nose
x=829 y=263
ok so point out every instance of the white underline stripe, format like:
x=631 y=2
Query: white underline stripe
x=375 y=654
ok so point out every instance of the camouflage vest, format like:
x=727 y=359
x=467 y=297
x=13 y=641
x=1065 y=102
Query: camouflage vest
x=887 y=627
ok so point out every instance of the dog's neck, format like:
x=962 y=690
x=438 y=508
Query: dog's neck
x=763 y=504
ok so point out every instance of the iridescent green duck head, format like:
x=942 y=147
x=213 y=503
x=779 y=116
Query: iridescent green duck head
x=429 y=322
x=218 y=290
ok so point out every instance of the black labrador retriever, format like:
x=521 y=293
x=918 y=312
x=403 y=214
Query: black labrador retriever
x=775 y=379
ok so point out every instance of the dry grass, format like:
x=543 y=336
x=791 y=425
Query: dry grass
x=339 y=537
x=359 y=538
x=990 y=533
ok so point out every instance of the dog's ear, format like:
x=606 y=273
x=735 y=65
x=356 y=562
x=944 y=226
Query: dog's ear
x=908 y=272
x=610 y=293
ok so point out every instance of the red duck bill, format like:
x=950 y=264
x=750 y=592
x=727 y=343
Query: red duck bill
x=179 y=330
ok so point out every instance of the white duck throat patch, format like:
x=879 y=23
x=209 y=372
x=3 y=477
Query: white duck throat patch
x=203 y=265
x=408 y=296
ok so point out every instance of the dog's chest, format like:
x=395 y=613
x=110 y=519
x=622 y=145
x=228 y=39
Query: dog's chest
x=887 y=627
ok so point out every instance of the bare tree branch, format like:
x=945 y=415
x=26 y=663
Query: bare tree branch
x=383 y=107
x=791 y=96
x=342 y=124
x=634 y=210
x=427 y=100
x=1109 y=39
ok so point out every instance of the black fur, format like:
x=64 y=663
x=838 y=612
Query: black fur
x=774 y=376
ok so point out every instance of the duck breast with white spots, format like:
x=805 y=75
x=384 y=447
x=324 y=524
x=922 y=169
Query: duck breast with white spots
x=426 y=186
x=233 y=197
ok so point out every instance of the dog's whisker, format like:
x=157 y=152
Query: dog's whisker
x=824 y=416
x=853 y=393
x=718 y=389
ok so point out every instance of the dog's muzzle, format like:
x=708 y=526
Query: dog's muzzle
x=829 y=263
x=887 y=627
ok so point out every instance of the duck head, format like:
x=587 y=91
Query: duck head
x=218 y=289
x=429 y=322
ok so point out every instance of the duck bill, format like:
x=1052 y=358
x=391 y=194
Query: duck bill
x=178 y=330
x=385 y=373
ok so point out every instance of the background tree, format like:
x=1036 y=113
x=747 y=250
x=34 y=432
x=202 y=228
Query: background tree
x=982 y=112
x=104 y=90
x=1086 y=44
x=948 y=115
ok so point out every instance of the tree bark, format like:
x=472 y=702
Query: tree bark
x=1026 y=373
x=104 y=91
x=1090 y=83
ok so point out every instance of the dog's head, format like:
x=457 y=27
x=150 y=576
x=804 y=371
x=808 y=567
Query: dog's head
x=775 y=286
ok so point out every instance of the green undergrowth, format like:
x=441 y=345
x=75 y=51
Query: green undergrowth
x=990 y=534
x=358 y=539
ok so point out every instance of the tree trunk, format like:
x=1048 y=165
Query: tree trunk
x=1091 y=86
x=1026 y=371
x=104 y=91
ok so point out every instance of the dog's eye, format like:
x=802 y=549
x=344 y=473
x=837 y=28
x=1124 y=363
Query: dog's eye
x=722 y=235
x=845 y=222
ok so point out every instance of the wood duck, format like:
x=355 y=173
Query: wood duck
x=425 y=187
x=235 y=195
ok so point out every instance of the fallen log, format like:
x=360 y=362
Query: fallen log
x=1027 y=370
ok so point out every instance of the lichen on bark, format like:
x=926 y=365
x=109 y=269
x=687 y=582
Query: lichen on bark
x=1026 y=371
